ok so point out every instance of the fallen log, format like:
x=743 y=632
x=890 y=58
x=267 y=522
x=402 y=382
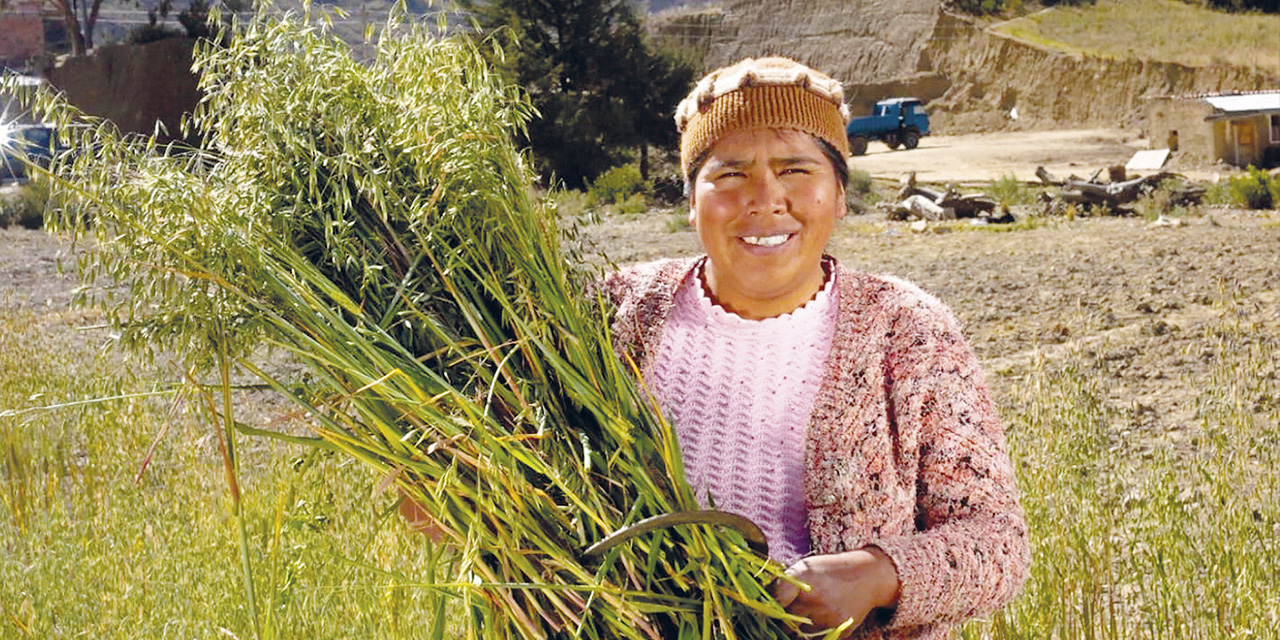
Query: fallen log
x=1047 y=178
x=922 y=208
x=1113 y=195
x=959 y=205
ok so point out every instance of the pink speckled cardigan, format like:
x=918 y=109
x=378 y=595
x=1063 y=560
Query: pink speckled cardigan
x=905 y=450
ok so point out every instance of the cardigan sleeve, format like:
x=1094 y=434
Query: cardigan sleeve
x=969 y=553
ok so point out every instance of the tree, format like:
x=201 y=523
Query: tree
x=1264 y=6
x=79 y=18
x=601 y=89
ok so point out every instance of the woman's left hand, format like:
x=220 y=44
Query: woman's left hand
x=845 y=586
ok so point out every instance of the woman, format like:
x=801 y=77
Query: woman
x=843 y=412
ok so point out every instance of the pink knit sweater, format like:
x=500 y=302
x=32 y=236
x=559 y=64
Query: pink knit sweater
x=904 y=449
x=740 y=393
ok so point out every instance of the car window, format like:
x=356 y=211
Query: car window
x=39 y=137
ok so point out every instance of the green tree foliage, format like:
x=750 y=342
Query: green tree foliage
x=994 y=7
x=1265 y=6
x=601 y=89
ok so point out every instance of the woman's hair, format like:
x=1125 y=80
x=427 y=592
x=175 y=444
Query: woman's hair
x=832 y=154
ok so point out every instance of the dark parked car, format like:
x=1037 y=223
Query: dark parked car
x=34 y=142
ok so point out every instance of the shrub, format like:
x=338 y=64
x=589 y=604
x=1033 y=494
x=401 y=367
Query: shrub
x=145 y=33
x=859 y=181
x=617 y=185
x=634 y=205
x=1166 y=200
x=987 y=7
x=994 y=7
x=860 y=193
x=1218 y=193
x=571 y=203
x=1255 y=189
x=24 y=205
x=679 y=221
x=1008 y=191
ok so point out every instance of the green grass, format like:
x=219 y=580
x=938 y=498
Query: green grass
x=1163 y=30
x=1142 y=535
x=89 y=552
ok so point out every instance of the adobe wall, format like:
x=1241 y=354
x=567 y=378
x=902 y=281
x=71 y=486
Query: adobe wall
x=1186 y=116
x=21 y=34
x=134 y=86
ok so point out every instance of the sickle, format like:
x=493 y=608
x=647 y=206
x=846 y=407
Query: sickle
x=756 y=539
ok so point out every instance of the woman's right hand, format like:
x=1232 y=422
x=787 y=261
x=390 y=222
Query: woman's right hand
x=419 y=519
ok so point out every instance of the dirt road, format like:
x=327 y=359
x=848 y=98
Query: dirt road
x=989 y=156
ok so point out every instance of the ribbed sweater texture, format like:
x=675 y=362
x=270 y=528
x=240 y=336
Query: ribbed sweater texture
x=903 y=450
x=740 y=394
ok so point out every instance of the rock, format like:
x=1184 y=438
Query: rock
x=1166 y=221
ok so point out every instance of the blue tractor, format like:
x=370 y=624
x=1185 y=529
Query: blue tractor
x=898 y=122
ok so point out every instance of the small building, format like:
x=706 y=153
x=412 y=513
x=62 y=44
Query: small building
x=21 y=33
x=1246 y=128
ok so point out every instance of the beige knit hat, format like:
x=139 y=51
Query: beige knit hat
x=764 y=92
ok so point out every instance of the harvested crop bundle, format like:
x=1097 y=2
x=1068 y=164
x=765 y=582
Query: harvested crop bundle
x=375 y=221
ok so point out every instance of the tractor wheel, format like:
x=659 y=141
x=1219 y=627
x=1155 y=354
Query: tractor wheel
x=857 y=145
x=891 y=139
x=910 y=138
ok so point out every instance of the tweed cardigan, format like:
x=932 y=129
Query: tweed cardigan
x=904 y=450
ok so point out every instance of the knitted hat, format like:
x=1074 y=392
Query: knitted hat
x=766 y=92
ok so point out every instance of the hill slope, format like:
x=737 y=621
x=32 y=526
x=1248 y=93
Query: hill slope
x=1160 y=30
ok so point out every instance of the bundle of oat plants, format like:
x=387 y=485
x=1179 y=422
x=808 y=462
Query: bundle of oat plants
x=374 y=221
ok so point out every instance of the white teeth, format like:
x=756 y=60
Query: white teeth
x=766 y=241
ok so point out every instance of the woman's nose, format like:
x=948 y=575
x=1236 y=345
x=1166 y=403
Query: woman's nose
x=768 y=194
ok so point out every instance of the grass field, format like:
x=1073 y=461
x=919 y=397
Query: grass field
x=1164 y=30
x=1134 y=537
x=90 y=552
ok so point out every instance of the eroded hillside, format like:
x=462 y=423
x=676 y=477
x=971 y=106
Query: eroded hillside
x=973 y=77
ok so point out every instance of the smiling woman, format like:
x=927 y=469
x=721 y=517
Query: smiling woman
x=842 y=412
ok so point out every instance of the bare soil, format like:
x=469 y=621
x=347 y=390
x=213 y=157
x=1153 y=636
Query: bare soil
x=984 y=157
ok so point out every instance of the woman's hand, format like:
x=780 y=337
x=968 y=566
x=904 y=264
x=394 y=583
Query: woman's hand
x=845 y=586
x=419 y=519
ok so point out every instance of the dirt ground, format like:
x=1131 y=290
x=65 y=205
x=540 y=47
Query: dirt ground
x=983 y=157
x=1136 y=301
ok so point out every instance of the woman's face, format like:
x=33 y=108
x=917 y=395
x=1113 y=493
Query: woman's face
x=764 y=204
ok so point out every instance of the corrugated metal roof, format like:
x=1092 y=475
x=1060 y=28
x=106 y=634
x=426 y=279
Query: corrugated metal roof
x=1247 y=103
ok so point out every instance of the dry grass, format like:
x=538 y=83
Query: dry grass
x=1162 y=30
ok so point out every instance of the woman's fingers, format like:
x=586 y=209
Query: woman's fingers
x=785 y=592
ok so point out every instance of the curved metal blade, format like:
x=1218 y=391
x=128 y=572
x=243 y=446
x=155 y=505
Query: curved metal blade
x=749 y=530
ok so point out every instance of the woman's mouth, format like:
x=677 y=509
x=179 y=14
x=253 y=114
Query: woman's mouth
x=767 y=241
